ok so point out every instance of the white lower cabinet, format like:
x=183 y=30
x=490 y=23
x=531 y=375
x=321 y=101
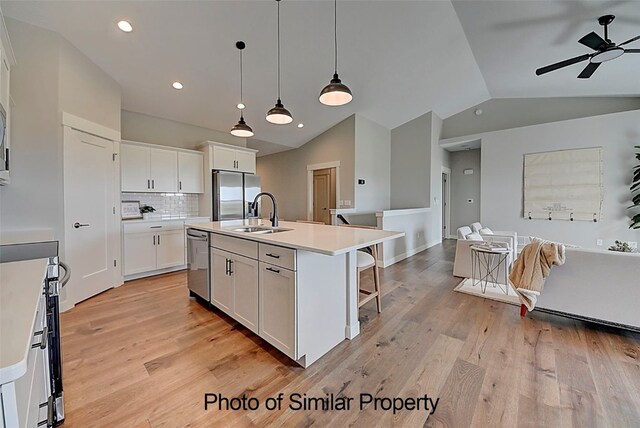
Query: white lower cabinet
x=149 y=247
x=278 y=307
x=234 y=286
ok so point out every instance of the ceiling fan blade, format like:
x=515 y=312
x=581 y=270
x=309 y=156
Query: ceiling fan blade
x=630 y=40
x=632 y=51
x=561 y=64
x=593 y=41
x=589 y=70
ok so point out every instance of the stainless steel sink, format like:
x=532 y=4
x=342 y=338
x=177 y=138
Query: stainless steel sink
x=260 y=229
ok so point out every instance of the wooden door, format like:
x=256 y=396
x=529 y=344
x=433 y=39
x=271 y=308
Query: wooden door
x=324 y=194
x=92 y=236
x=190 y=172
x=164 y=170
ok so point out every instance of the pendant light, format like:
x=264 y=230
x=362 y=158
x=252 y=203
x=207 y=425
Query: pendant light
x=279 y=114
x=335 y=93
x=241 y=129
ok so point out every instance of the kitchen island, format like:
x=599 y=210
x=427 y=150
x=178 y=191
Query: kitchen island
x=295 y=286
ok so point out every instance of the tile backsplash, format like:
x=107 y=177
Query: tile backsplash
x=167 y=204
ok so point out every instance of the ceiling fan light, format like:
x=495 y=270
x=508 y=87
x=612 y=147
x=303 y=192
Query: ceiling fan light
x=279 y=115
x=335 y=93
x=241 y=129
x=607 y=55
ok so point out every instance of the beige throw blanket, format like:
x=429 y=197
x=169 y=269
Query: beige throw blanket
x=532 y=268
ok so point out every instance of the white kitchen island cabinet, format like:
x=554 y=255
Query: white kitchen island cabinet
x=296 y=289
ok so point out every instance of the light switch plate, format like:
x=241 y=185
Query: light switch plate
x=633 y=245
x=599 y=242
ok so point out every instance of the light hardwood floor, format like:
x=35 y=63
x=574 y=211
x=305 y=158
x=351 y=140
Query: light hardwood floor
x=143 y=355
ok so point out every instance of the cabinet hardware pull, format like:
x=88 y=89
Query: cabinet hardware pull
x=49 y=404
x=148 y=184
x=155 y=227
x=230 y=267
x=154 y=239
x=273 y=270
x=153 y=183
x=180 y=183
x=275 y=256
x=158 y=239
x=226 y=266
x=43 y=339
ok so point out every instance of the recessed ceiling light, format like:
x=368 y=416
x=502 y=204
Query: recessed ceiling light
x=478 y=111
x=301 y=125
x=240 y=106
x=177 y=85
x=125 y=26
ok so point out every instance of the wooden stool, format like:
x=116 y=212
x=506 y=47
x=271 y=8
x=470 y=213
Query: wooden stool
x=366 y=261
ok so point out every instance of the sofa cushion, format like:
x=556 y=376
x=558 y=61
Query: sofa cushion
x=474 y=237
x=486 y=231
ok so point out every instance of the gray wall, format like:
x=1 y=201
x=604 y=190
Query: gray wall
x=372 y=163
x=502 y=171
x=285 y=174
x=464 y=187
x=506 y=113
x=155 y=130
x=50 y=77
x=411 y=163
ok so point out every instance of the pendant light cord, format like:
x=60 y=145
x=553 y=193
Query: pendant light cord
x=278 y=1
x=335 y=34
x=241 y=98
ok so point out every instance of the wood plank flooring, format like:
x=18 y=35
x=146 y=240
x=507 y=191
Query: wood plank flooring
x=144 y=355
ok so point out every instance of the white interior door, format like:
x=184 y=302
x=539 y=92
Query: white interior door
x=91 y=232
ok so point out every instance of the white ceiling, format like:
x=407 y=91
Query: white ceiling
x=400 y=58
x=511 y=39
x=396 y=57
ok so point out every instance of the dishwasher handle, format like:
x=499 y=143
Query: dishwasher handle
x=197 y=237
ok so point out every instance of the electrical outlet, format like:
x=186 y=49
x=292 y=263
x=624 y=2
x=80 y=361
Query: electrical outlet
x=599 y=242
x=633 y=245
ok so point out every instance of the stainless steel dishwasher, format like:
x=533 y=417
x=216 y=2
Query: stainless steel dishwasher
x=198 y=263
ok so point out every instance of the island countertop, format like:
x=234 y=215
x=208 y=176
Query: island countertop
x=323 y=239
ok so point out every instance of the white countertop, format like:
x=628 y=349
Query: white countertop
x=329 y=240
x=20 y=289
x=164 y=218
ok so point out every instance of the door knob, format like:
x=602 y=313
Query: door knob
x=79 y=225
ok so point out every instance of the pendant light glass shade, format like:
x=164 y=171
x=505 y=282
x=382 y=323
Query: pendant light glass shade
x=335 y=93
x=241 y=129
x=279 y=115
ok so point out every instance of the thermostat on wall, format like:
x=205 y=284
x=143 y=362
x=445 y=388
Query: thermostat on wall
x=468 y=171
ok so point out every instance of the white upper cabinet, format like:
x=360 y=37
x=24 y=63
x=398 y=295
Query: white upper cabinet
x=246 y=161
x=164 y=170
x=135 y=166
x=148 y=168
x=190 y=172
x=230 y=158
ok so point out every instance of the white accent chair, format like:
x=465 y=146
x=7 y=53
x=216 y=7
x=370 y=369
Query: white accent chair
x=485 y=231
x=467 y=238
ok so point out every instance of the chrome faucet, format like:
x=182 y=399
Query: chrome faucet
x=274 y=217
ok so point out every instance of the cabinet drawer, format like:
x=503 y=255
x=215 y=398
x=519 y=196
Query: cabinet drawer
x=235 y=245
x=279 y=256
x=154 y=226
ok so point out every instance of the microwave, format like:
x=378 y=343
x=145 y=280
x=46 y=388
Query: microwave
x=4 y=149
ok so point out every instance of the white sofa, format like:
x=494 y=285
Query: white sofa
x=477 y=227
x=595 y=285
x=462 y=262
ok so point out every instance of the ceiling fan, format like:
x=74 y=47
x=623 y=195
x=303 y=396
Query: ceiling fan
x=605 y=50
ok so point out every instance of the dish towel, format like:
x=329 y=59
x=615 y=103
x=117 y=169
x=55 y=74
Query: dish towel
x=532 y=268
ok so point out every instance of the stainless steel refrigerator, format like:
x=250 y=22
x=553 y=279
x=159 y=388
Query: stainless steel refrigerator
x=232 y=194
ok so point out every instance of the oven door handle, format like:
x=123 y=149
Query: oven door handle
x=67 y=274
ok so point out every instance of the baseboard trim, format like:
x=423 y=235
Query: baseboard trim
x=154 y=273
x=407 y=254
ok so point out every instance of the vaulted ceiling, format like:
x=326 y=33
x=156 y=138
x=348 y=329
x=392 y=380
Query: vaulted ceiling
x=400 y=58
